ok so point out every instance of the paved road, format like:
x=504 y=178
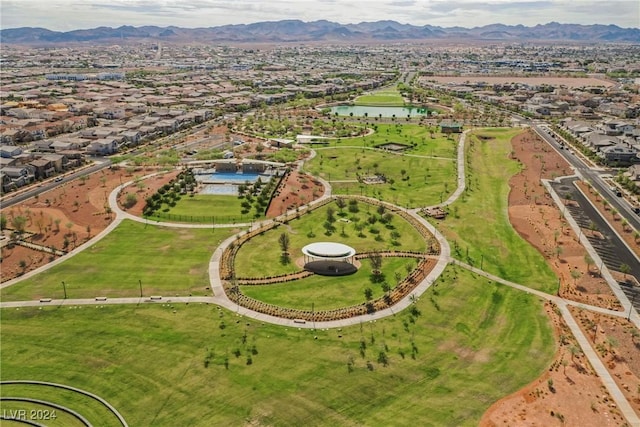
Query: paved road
x=611 y=248
x=592 y=176
x=14 y=198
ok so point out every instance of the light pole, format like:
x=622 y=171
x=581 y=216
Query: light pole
x=140 y=283
x=481 y=260
x=64 y=288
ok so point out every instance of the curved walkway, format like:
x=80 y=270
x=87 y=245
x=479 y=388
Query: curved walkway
x=103 y=402
x=61 y=408
x=220 y=297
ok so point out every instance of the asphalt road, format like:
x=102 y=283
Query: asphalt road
x=12 y=199
x=592 y=176
x=610 y=248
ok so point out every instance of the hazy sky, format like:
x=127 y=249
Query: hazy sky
x=64 y=15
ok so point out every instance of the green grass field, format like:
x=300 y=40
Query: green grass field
x=467 y=344
x=166 y=260
x=260 y=256
x=202 y=208
x=478 y=224
x=422 y=140
x=89 y=408
x=388 y=98
x=424 y=181
x=327 y=293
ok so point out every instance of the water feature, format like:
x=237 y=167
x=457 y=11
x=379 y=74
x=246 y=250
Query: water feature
x=362 y=110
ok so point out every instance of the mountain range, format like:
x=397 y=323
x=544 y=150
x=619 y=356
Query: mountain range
x=324 y=31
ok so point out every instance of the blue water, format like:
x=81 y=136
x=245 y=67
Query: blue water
x=360 y=110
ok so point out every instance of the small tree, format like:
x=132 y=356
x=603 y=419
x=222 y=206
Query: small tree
x=376 y=264
x=283 y=241
x=19 y=223
x=625 y=269
x=341 y=203
x=588 y=260
x=130 y=200
x=330 y=214
x=575 y=274
x=368 y=294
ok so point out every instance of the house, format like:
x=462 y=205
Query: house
x=43 y=168
x=6 y=184
x=43 y=146
x=59 y=161
x=132 y=137
x=102 y=147
x=9 y=151
x=597 y=141
x=619 y=155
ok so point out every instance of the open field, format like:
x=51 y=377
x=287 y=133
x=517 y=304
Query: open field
x=202 y=208
x=422 y=140
x=387 y=97
x=167 y=261
x=89 y=408
x=465 y=344
x=328 y=293
x=261 y=256
x=462 y=349
x=478 y=226
x=424 y=182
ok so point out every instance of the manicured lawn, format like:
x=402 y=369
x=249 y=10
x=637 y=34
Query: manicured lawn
x=423 y=183
x=387 y=97
x=328 y=293
x=261 y=256
x=89 y=408
x=166 y=260
x=422 y=140
x=478 y=226
x=202 y=208
x=467 y=345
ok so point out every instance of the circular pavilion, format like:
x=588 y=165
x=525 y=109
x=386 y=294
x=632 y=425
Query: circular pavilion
x=329 y=259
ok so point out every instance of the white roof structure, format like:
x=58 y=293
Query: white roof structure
x=328 y=250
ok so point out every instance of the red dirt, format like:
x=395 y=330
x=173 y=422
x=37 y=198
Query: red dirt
x=537 y=219
x=75 y=211
x=296 y=189
x=578 y=397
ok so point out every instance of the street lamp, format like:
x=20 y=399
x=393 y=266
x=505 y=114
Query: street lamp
x=64 y=288
x=140 y=283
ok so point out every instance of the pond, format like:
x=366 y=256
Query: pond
x=366 y=111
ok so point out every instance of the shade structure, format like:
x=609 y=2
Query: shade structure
x=329 y=258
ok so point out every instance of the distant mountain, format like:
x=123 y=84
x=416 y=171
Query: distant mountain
x=299 y=31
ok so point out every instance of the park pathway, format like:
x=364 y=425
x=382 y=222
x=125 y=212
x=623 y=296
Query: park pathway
x=444 y=259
